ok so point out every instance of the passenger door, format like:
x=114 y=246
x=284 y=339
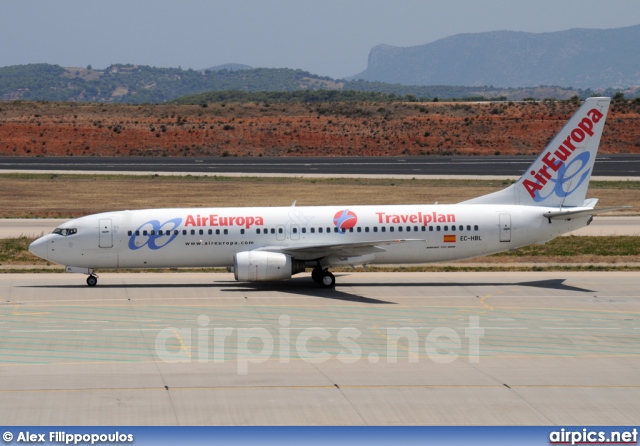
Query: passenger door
x=505 y=227
x=105 y=233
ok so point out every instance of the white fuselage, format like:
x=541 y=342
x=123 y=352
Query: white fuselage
x=275 y=243
x=202 y=237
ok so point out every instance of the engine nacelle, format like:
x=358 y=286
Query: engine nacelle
x=256 y=266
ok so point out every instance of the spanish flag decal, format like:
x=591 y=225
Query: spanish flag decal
x=450 y=238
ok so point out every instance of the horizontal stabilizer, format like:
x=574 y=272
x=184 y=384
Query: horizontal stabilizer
x=568 y=215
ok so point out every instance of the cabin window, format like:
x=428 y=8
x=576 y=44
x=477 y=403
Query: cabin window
x=176 y=232
x=438 y=228
x=217 y=231
x=294 y=230
x=280 y=231
x=359 y=229
x=145 y=232
x=242 y=231
x=351 y=229
x=475 y=227
x=366 y=229
x=210 y=232
x=304 y=230
x=375 y=229
x=273 y=231
x=391 y=229
x=383 y=229
x=431 y=228
x=226 y=231
x=336 y=229
x=320 y=230
x=184 y=232
x=313 y=230
x=130 y=233
x=201 y=232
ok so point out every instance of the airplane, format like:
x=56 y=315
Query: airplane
x=275 y=243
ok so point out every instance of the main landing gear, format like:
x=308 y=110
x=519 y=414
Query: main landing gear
x=323 y=277
x=92 y=280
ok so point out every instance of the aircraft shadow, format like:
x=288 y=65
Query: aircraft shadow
x=553 y=284
x=304 y=286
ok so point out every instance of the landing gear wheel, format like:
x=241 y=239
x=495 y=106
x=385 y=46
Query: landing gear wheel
x=328 y=280
x=92 y=280
x=316 y=275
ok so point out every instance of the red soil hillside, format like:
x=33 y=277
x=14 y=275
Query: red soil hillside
x=334 y=129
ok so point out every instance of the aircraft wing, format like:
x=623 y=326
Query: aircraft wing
x=310 y=252
x=568 y=215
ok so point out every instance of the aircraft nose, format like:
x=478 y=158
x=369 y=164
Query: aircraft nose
x=39 y=248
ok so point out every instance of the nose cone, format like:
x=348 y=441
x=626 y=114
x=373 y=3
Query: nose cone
x=39 y=248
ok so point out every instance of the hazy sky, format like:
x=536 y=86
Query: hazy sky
x=326 y=37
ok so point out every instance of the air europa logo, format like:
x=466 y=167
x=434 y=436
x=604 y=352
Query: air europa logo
x=554 y=162
x=345 y=219
x=217 y=220
x=151 y=231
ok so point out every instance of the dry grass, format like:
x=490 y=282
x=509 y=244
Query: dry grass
x=23 y=196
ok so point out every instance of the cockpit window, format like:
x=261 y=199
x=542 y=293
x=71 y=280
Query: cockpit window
x=65 y=231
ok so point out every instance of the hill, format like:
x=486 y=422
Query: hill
x=137 y=84
x=580 y=58
x=230 y=67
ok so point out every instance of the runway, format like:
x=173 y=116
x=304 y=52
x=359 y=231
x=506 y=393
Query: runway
x=620 y=166
x=381 y=349
x=601 y=226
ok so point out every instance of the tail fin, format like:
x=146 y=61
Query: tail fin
x=560 y=176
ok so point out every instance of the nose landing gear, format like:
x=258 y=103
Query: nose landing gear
x=92 y=280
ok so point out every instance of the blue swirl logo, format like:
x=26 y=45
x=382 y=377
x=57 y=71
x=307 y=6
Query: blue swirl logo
x=153 y=239
x=558 y=188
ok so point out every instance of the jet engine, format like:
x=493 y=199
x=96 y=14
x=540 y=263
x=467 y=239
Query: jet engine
x=256 y=266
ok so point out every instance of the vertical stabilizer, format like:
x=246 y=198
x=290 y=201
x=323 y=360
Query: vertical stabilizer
x=560 y=176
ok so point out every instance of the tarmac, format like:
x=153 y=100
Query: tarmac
x=500 y=348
